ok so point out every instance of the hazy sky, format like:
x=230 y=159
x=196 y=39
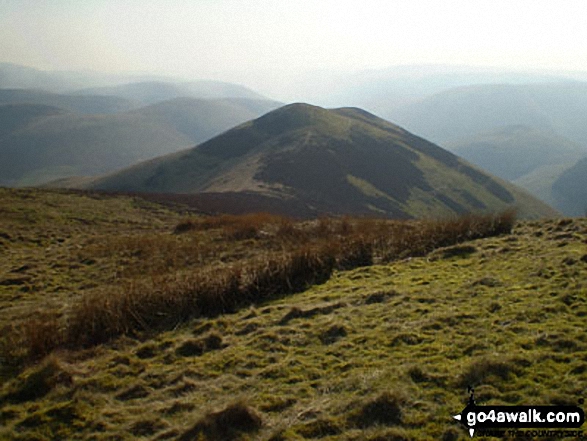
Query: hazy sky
x=268 y=41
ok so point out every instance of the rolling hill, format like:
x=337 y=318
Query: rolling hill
x=467 y=111
x=17 y=116
x=14 y=76
x=335 y=161
x=201 y=119
x=150 y=92
x=385 y=91
x=527 y=156
x=88 y=104
x=514 y=151
x=42 y=143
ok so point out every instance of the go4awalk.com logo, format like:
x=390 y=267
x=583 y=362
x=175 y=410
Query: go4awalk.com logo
x=475 y=417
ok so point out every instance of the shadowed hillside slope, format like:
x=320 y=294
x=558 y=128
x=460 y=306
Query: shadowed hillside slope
x=530 y=157
x=336 y=161
x=570 y=189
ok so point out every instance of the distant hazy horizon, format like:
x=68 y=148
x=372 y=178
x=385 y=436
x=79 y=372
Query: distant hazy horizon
x=272 y=45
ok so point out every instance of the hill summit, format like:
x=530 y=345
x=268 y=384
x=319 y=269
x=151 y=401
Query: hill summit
x=338 y=161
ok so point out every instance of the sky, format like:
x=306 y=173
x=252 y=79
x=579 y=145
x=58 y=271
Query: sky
x=268 y=43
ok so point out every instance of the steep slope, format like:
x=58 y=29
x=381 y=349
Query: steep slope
x=539 y=184
x=466 y=111
x=338 y=161
x=570 y=189
x=514 y=151
x=40 y=143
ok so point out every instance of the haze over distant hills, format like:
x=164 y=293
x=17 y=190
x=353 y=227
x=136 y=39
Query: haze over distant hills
x=386 y=91
x=156 y=91
x=60 y=124
x=570 y=189
x=467 y=111
x=334 y=161
x=528 y=133
x=90 y=104
x=15 y=76
x=39 y=143
x=525 y=127
x=514 y=151
x=527 y=156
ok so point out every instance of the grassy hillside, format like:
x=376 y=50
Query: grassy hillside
x=336 y=161
x=40 y=143
x=539 y=183
x=379 y=349
x=466 y=111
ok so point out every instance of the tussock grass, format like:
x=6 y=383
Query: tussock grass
x=40 y=381
x=290 y=357
x=290 y=256
x=385 y=409
x=480 y=370
x=227 y=424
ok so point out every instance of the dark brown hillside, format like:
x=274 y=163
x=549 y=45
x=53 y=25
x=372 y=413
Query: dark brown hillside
x=342 y=161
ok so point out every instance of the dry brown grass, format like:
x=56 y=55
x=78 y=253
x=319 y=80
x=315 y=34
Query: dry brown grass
x=276 y=256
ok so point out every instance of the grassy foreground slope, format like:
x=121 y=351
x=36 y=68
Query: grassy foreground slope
x=379 y=352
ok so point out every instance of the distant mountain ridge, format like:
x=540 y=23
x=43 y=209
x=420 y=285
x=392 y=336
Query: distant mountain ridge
x=514 y=151
x=144 y=88
x=336 y=161
x=527 y=156
x=150 y=92
x=89 y=104
x=467 y=111
x=40 y=143
x=570 y=188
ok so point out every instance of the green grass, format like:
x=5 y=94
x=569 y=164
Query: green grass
x=384 y=351
x=342 y=161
